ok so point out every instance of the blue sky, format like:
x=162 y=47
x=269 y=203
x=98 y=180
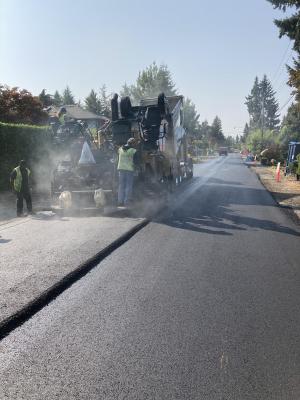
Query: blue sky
x=214 y=49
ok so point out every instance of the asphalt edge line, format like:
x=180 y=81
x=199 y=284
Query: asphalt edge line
x=288 y=210
x=30 y=309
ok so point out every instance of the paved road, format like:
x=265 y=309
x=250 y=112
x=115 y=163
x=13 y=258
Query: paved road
x=203 y=303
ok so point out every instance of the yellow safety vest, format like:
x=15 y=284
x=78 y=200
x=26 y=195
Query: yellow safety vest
x=18 y=179
x=126 y=159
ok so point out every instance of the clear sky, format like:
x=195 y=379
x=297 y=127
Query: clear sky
x=214 y=49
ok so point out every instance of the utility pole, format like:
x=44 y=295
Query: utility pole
x=262 y=123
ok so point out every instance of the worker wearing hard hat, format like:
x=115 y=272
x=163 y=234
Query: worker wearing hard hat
x=19 y=179
x=126 y=164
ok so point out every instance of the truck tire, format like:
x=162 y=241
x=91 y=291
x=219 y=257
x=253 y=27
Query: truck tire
x=125 y=107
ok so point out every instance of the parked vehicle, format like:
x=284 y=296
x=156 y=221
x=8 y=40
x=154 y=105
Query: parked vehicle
x=223 y=151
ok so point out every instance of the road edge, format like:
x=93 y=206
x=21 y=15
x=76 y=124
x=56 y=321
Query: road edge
x=20 y=317
x=288 y=210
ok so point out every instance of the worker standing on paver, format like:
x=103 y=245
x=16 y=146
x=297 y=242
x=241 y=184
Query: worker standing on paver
x=19 y=179
x=126 y=164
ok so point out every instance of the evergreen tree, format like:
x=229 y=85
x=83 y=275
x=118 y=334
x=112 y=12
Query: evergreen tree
x=262 y=105
x=45 y=99
x=93 y=103
x=290 y=27
x=57 y=99
x=254 y=104
x=246 y=129
x=105 y=102
x=290 y=127
x=216 y=133
x=246 y=132
x=270 y=104
x=67 y=97
x=191 y=118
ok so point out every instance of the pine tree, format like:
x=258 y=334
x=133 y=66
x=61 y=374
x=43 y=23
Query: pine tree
x=254 y=104
x=93 y=103
x=105 y=102
x=216 y=132
x=270 y=105
x=262 y=105
x=67 y=97
x=290 y=27
x=45 y=99
x=57 y=99
x=290 y=127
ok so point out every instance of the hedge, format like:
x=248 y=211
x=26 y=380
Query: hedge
x=19 y=142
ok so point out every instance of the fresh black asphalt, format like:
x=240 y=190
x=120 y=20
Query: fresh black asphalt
x=203 y=303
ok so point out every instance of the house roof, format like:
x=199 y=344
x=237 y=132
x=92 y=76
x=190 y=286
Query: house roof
x=77 y=112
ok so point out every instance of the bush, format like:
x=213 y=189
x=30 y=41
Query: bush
x=18 y=142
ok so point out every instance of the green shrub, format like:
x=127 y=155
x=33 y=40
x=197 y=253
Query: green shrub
x=18 y=142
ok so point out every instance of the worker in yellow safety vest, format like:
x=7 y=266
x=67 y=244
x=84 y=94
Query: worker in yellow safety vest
x=126 y=166
x=19 y=179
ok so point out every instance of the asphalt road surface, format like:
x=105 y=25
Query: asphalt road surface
x=203 y=303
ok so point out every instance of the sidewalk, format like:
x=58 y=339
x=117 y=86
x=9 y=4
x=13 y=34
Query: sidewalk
x=286 y=192
x=38 y=252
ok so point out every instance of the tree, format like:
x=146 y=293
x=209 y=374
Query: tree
x=254 y=105
x=99 y=103
x=290 y=27
x=230 y=141
x=67 y=97
x=57 y=99
x=262 y=105
x=19 y=106
x=105 y=102
x=93 y=103
x=270 y=105
x=255 y=142
x=216 y=136
x=150 y=82
x=246 y=132
x=45 y=99
x=191 y=118
x=290 y=127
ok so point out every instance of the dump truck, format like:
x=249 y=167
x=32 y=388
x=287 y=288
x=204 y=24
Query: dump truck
x=223 y=151
x=157 y=126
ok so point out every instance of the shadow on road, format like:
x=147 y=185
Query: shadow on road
x=210 y=208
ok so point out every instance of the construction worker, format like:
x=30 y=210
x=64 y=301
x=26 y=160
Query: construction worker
x=19 y=179
x=126 y=164
x=61 y=115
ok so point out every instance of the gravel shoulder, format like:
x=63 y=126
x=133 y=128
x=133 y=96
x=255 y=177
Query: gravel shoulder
x=286 y=192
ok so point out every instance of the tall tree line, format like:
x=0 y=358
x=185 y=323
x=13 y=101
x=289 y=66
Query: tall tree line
x=290 y=27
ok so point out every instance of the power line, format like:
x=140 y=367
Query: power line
x=282 y=60
x=282 y=69
x=287 y=102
